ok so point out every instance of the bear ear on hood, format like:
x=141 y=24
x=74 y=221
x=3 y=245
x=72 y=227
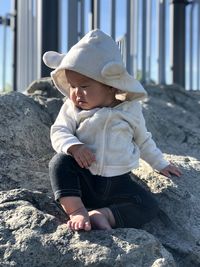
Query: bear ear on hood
x=53 y=59
x=113 y=70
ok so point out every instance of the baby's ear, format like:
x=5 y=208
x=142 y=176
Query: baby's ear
x=112 y=89
x=52 y=59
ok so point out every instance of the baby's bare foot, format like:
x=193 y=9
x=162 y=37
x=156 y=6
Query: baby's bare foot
x=101 y=219
x=79 y=220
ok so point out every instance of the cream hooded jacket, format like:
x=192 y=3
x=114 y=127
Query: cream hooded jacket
x=117 y=136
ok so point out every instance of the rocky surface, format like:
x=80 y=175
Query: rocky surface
x=32 y=226
x=45 y=93
x=24 y=143
x=34 y=236
x=172 y=115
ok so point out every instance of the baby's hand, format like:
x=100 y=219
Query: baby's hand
x=83 y=155
x=171 y=169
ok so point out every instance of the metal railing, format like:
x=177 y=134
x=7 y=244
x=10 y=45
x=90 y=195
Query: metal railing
x=159 y=68
x=147 y=43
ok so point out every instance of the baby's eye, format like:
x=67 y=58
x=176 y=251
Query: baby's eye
x=84 y=86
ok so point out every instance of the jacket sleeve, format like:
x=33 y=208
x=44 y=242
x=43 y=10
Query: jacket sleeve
x=148 y=149
x=62 y=132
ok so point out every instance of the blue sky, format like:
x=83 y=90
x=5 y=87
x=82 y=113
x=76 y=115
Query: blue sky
x=5 y=7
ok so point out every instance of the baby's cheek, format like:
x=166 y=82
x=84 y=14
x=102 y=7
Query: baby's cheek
x=73 y=97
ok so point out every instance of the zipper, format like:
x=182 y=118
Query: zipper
x=104 y=143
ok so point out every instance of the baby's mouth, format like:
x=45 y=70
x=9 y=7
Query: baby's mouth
x=80 y=101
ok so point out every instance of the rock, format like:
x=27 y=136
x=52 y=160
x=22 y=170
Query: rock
x=45 y=93
x=178 y=223
x=32 y=227
x=172 y=115
x=43 y=87
x=25 y=147
x=171 y=118
x=33 y=236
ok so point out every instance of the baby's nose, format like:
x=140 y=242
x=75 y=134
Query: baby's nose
x=79 y=91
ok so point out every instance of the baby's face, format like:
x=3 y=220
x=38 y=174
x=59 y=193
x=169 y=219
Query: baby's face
x=87 y=93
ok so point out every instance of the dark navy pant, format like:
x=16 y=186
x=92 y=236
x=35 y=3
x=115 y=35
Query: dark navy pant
x=131 y=204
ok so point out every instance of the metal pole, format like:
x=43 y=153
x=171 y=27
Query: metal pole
x=95 y=7
x=144 y=14
x=49 y=30
x=161 y=64
x=198 y=48
x=113 y=11
x=179 y=41
x=31 y=72
x=38 y=26
x=82 y=7
x=136 y=41
x=90 y=16
x=132 y=36
x=72 y=23
x=14 y=66
x=191 y=48
x=148 y=45
x=128 y=29
x=4 y=55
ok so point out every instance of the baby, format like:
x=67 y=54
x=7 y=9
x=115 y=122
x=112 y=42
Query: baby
x=99 y=136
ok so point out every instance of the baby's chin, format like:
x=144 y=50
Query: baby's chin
x=84 y=106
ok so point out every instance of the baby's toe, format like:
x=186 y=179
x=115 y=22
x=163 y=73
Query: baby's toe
x=69 y=224
x=87 y=226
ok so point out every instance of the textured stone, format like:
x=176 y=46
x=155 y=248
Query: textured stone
x=31 y=235
x=172 y=115
x=45 y=93
x=32 y=227
x=24 y=143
